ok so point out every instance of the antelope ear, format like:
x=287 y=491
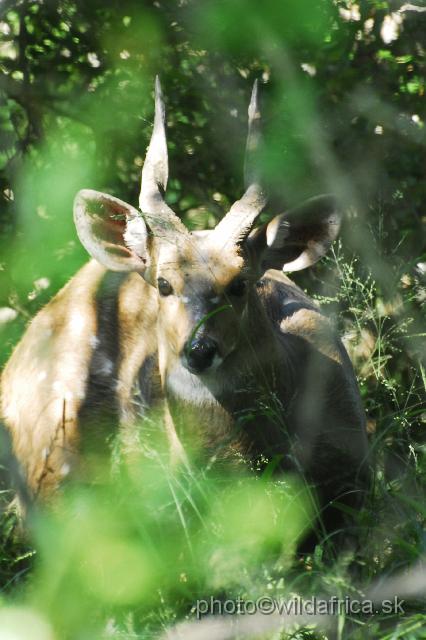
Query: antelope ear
x=112 y=231
x=298 y=238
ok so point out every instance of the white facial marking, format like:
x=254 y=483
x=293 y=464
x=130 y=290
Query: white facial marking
x=42 y=376
x=187 y=386
x=198 y=389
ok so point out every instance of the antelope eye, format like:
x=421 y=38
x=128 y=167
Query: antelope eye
x=237 y=288
x=164 y=287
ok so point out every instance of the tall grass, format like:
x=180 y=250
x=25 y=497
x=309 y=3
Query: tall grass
x=129 y=554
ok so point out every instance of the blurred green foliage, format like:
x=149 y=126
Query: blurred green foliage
x=157 y=541
x=344 y=111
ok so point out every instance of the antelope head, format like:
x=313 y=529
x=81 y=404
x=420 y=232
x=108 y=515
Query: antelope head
x=205 y=280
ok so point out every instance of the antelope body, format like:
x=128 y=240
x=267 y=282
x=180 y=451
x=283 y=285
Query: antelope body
x=206 y=322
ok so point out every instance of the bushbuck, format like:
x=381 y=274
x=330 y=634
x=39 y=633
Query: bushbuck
x=242 y=361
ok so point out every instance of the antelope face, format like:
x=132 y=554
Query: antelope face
x=203 y=292
x=203 y=279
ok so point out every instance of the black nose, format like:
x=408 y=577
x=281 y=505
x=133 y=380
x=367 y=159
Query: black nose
x=200 y=353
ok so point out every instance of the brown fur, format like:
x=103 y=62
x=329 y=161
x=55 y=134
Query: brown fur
x=44 y=423
x=44 y=382
x=241 y=361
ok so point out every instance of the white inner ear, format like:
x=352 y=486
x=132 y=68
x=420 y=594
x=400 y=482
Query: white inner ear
x=135 y=236
x=308 y=257
x=277 y=231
